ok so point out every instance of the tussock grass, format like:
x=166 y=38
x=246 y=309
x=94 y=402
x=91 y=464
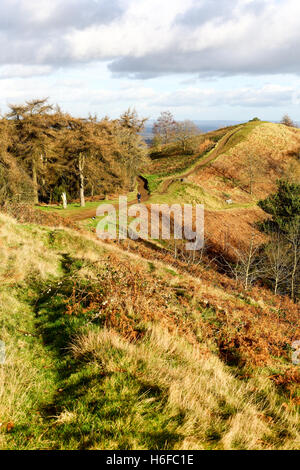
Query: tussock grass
x=210 y=407
x=105 y=351
x=26 y=378
x=22 y=251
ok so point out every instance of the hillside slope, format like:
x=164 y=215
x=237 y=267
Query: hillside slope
x=268 y=152
x=242 y=168
x=115 y=349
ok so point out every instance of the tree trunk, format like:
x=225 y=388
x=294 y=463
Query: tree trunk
x=64 y=198
x=248 y=265
x=276 y=285
x=35 y=183
x=81 y=163
x=294 y=270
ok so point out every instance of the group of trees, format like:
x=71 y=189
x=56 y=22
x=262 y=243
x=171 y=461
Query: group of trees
x=55 y=153
x=277 y=263
x=168 y=131
x=282 y=254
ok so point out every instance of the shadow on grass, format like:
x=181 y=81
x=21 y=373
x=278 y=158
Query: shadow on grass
x=96 y=400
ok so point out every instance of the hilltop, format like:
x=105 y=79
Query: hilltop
x=236 y=168
x=243 y=162
x=252 y=163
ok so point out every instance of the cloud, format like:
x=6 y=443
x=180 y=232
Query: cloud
x=35 y=32
x=224 y=38
x=68 y=91
x=78 y=95
x=28 y=17
x=24 y=71
x=149 y=38
x=248 y=97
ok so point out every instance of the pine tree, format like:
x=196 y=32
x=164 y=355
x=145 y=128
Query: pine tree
x=32 y=138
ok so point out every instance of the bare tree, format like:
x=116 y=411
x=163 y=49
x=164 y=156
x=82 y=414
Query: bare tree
x=287 y=121
x=277 y=255
x=165 y=127
x=185 y=134
x=248 y=266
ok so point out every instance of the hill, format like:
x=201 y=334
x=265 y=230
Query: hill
x=248 y=169
x=115 y=349
x=236 y=168
x=204 y=125
x=135 y=345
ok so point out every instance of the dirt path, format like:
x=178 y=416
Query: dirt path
x=212 y=155
x=89 y=213
x=143 y=185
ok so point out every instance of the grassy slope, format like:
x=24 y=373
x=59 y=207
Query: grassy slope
x=75 y=208
x=111 y=350
x=167 y=162
x=274 y=145
x=274 y=148
x=180 y=358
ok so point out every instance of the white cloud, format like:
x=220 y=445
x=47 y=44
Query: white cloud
x=68 y=50
x=266 y=96
x=145 y=27
x=154 y=37
x=68 y=91
x=24 y=71
x=258 y=36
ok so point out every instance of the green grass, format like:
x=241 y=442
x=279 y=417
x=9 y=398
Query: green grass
x=107 y=393
x=73 y=381
x=185 y=163
x=188 y=193
x=154 y=182
x=175 y=164
x=71 y=207
x=29 y=375
x=102 y=402
x=241 y=135
x=184 y=192
x=75 y=208
x=108 y=402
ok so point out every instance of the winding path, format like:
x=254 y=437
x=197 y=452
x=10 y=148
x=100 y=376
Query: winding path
x=212 y=155
x=143 y=185
x=89 y=213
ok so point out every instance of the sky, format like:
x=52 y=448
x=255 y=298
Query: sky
x=199 y=59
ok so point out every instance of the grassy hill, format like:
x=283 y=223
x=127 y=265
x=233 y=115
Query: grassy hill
x=115 y=349
x=241 y=165
x=257 y=151
x=263 y=154
x=128 y=346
